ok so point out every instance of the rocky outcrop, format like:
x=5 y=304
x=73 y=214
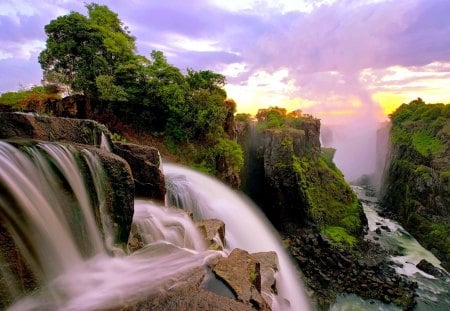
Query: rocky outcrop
x=242 y=273
x=329 y=270
x=188 y=295
x=21 y=125
x=214 y=232
x=144 y=162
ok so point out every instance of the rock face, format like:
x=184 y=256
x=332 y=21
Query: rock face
x=300 y=185
x=329 y=271
x=417 y=180
x=20 y=125
x=144 y=162
x=119 y=195
x=242 y=273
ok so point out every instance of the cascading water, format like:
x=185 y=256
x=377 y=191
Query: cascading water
x=46 y=207
x=246 y=227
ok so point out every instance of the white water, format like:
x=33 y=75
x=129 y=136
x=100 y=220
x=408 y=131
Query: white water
x=433 y=293
x=45 y=220
x=245 y=226
x=79 y=274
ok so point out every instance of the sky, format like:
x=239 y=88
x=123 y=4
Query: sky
x=347 y=62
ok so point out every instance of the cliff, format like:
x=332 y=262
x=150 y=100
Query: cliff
x=417 y=180
x=296 y=182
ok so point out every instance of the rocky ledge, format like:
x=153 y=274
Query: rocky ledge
x=329 y=270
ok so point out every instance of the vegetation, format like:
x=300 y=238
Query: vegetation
x=339 y=236
x=275 y=117
x=329 y=201
x=333 y=204
x=95 y=56
x=30 y=98
x=419 y=173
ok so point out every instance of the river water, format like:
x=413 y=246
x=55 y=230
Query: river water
x=433 y=294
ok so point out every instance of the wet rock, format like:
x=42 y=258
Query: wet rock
x=214 y=232
x=119 y=195
x=144 y=162
x=329 y=270
x=386 y=228
x=268 y=263
x=242 y=273
x=429 y=268
x=20 y=125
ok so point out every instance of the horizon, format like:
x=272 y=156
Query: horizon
x=347 y=62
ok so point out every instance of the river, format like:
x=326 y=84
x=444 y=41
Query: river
x=433 y=294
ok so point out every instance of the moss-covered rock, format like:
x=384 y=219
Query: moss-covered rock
x=417 y=183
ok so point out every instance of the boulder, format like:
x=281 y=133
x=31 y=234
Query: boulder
x=429 y=268
x=26 y=125
x=242 y=273
x=144 y=162
x=186 y=294
x=214 y=232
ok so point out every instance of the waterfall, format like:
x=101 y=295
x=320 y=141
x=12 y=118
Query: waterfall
x=246 y=227
x=46 y=207
x=50 y=198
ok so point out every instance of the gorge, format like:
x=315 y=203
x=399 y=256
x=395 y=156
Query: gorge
x=77 y=196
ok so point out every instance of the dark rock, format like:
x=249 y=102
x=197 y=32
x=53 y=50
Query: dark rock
x=212 y=229
x=378 y=231
x=20 y=125
x=144 y=162
x=119 y=195
x=429 y=268
x=386 y=228
x=329 y=270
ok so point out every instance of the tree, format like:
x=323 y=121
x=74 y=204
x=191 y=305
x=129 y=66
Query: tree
x=79 y=49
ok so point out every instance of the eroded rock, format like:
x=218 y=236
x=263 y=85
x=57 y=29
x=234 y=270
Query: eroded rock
x=144 y=162
x=214 y=232
x=268 y=262
x=242 y=273
x=21 y=125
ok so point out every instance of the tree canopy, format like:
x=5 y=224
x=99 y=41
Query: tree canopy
x=95 y=55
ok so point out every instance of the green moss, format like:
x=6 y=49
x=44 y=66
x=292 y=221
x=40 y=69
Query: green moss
x=332 y=202
x=426 y=144
x=423 y=171
x=339 y=236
